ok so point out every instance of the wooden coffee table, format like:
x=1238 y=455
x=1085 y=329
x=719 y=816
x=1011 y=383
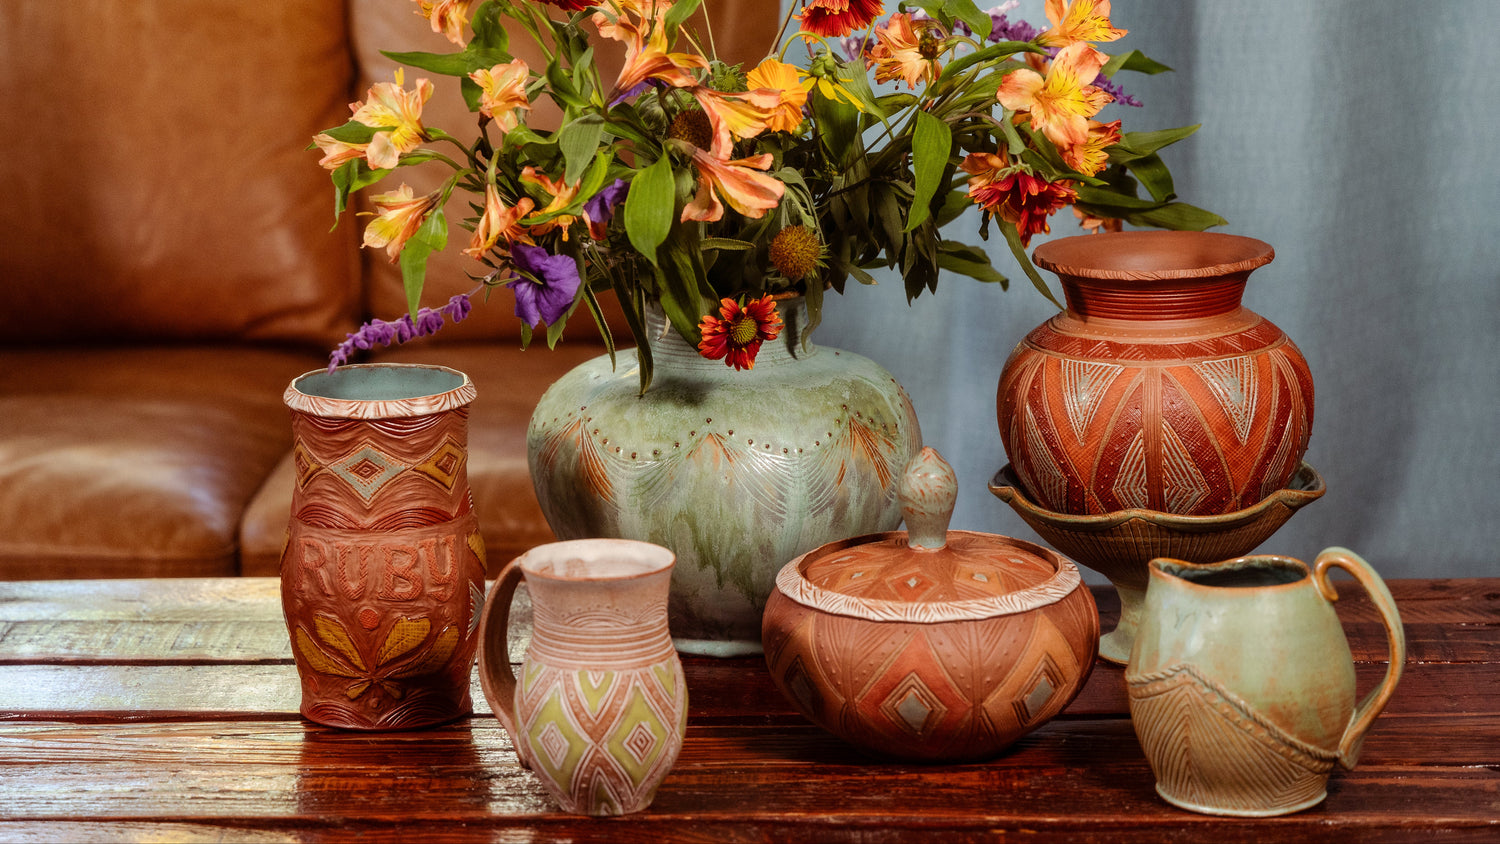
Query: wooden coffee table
x=167 y=710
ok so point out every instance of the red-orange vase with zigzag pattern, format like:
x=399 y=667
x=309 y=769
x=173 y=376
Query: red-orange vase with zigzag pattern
x=1156 y=388
x=382 y=576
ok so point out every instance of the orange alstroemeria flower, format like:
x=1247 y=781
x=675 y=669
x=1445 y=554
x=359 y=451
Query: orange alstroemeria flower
x=902 y=53
x=397 y=115
x=1092 y=155
x=791 y=92
x=336 y=152
x=647 y=53
x=748 y=191
x=736 y=334
x=737 y=116
x=399 y=215
x=449 y=17
x=499 y=221
x=1013 y=194
x=1083 y=20
x=837 y=18
x=502 y=93
x=1060 y=103
x=562 y=195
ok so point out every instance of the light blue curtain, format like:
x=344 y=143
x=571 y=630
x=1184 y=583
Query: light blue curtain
x=1359 y=138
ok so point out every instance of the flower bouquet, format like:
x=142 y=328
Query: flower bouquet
x=710 y=190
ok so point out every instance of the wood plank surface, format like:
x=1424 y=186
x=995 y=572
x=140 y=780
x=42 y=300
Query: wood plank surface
x=167 y=710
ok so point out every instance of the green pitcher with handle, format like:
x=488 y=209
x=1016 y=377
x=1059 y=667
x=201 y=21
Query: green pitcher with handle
x=1241 y=683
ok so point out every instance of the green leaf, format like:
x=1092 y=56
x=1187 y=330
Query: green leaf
x=1179 y=216
x=560 y=86
x=1018 y=249
x=430 y=237
x=352 y=132
x=591 y=299
x=856 y=81
x=970 y=261
x=680 y=13
x=633 y=305
x=579 y=143
x=954 y=204
x=1134 y=60
x=648 y=208
x=838 y=125
x=489 y=29
x=1153 y=175
x=725 y=243
x=1004 y=49
x=966 y=11
x=932 y=142
x=1138 y=144
x=351 y=177
x=448 y=64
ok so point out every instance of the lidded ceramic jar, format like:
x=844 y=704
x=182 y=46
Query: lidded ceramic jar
x=929 y=644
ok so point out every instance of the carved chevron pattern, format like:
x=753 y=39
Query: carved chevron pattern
x=1212 y=751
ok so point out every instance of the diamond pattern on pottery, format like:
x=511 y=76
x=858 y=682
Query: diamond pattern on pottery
x=912 y=704
x=367 y=471
x=637 y=739
x=1234 y=383
x=559 y=742
x=593 y=689
x=306 y=464
x=1083 y=388
x=444 y=466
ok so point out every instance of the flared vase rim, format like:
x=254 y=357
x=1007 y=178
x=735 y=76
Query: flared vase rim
x=458 y=391
x=656 y=558
x=1137 y=256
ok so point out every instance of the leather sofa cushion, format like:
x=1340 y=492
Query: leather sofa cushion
x=509 y=383
x=135 y=462
x=158 y=185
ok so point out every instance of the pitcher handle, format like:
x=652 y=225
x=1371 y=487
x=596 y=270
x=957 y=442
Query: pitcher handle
x=1369 y=708
x=496 y=676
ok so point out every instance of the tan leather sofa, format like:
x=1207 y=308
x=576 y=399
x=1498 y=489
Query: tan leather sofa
x=166 y=268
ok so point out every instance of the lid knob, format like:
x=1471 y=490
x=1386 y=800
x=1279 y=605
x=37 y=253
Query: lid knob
x=928 y=491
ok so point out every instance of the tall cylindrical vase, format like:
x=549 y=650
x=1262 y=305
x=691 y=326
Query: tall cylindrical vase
x=737 y=472
x=382 y=577
x=1156 y=389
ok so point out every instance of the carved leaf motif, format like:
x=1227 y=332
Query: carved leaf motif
x=436 y=656
x=407 y=634
x=317 y=659
x=331 y=631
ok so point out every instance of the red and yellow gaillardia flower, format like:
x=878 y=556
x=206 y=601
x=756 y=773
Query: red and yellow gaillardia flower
x=1013 y=194
x=837 y=18
x=736 y=334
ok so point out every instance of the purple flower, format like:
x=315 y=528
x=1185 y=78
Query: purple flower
x=1003 y=29
x=380 y=332
x=1106 y=84
x=600 y=208
x=458 y=307
x=547 y=284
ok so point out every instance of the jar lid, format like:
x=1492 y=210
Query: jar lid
x=927 y=573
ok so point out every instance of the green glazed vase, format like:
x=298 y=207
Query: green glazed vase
x=736 y=471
